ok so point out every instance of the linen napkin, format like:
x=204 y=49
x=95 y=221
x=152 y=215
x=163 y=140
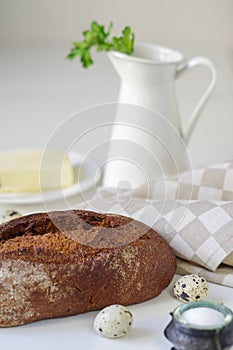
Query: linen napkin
x=214 y=182
x=198 y=228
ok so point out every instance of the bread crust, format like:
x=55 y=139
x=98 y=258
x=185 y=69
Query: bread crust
x=68 y=262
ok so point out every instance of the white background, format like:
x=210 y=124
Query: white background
x=39 y=88
x=179 y=22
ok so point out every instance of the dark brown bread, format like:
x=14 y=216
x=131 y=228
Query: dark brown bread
x=69 y=262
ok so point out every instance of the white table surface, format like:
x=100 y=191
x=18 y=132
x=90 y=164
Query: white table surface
x=38 y=90
x=150 y=320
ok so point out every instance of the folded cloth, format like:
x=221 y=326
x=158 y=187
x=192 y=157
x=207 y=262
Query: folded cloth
x=199 y=231
x=214 y=182
x=223 y=275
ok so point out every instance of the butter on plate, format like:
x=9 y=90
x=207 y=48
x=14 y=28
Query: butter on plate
x=34 y=170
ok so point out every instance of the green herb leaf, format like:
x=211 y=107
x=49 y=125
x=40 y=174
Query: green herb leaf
x=86 y=59
x=124 y=43
x=98 y=36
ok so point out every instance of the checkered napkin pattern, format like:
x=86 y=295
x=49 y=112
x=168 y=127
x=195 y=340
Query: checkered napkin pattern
x=199 y=231
x=214 y=182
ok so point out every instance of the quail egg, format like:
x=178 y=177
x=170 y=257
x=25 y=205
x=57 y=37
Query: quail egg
x=191 y=288
x=113 y=321
x=10 y=214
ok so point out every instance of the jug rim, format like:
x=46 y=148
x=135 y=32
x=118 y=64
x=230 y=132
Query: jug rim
x=149 y=53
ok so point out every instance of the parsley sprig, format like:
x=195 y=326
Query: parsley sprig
x=98 y=37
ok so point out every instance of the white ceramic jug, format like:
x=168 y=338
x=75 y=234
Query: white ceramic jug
x=148 y=140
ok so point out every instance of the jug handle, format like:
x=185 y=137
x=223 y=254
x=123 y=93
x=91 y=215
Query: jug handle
x=193 y=62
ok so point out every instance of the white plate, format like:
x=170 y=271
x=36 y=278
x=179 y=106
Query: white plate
x=86 y=174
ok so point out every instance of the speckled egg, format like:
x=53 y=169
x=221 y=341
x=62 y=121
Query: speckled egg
x=114 y=321
x=10 y=214
x=191 y=288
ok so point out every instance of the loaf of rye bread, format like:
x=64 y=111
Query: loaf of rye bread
x=68 y=262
